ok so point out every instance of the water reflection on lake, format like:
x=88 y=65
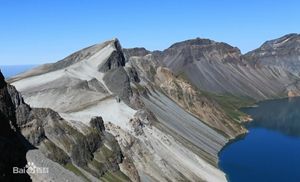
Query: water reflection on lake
x=281 y=115
x=271 y=149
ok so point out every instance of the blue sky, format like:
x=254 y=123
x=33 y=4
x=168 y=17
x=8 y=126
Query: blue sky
x=36 y=32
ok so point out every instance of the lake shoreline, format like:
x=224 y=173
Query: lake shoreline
x=263 y=110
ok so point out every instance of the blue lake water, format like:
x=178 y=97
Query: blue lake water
x=11 y=70
x=270 y=152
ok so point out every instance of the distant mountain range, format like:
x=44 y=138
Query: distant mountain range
x=117 y=114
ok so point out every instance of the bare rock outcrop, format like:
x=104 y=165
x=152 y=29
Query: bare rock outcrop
x=13 y=146
x=23 y=129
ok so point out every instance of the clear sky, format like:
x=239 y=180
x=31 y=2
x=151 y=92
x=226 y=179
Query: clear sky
x=35 y=32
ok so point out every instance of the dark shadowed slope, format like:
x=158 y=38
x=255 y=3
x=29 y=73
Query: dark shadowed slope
x=13 y=147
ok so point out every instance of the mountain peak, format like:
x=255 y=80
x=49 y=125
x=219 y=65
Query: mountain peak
x=290 y=40
x=188 y=52
x=282 y=52
x=200 y=43
x=101 y=57
x=88 y=52
x=197 y=41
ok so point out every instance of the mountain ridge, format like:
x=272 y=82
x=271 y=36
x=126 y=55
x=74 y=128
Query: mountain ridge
x=206 y=63
x=143 y=97
x=125 y=99
x=283 y=52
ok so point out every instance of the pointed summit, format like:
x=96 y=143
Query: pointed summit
x=115 y=60
x=99 y=57
x=104 y=56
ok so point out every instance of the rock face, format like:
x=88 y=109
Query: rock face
x=115 y=60
x=204 y=107
x=97 y=123
x=60 y=145
x=118 y=82
x=12 y=144
x=283 y=52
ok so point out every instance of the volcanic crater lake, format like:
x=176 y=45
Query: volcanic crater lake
x=271 y=149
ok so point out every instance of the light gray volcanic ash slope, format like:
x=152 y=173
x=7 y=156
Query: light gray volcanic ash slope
x=41 y=136
x=171 y=111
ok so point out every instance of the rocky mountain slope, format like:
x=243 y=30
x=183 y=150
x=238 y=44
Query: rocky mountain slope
x=170 y=111
x=283 y=52
x=203 y=106
x=43 y=137
x=220 y=68
x=146 y=122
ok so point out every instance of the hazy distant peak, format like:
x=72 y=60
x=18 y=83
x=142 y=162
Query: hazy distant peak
x=136 y=51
